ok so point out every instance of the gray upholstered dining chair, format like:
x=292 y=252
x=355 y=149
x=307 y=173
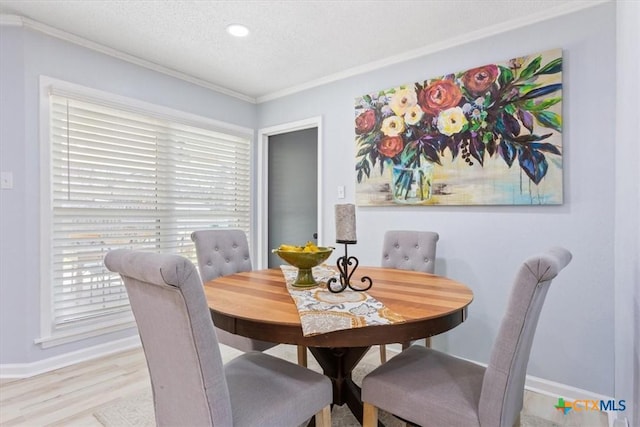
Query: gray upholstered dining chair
x=431 y=388
x=409 y=250
x=221 y=253
x=191 y=385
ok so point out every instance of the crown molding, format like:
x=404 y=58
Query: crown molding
x=14 y=20
x=437 y=47
x=543 y=15
x=11 y=20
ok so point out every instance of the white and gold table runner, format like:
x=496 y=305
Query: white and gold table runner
x=323 y=311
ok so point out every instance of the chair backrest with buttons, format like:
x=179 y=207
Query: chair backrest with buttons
x=410 y=250
x=221 y=252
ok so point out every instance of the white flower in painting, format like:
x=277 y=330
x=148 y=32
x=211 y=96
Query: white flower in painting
x=413 y=115
x=392 y=126
x=403 y=100
x=451 y=121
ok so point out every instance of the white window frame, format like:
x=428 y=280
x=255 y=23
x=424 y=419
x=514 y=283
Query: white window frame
x=49 y=336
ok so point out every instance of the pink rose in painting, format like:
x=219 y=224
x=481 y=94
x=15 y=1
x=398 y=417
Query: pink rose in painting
x=365 y=122
x=438 y=96
x=479 y=79
x=390 y=146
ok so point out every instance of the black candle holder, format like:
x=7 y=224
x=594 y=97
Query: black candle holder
x=343 y=263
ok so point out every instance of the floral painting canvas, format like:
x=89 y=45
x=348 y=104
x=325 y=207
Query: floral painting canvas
x=490 y=135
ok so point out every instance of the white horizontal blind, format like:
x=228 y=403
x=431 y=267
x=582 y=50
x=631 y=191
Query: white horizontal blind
x=124 y=179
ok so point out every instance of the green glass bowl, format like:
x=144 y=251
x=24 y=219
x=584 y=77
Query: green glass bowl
x=305 y=261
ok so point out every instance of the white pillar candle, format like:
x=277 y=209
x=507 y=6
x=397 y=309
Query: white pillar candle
x=346 y=223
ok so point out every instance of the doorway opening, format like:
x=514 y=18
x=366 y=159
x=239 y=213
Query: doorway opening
x=289 y=183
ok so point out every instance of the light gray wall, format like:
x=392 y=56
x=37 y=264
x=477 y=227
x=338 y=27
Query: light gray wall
x=483 y=246
x=24 y=56
x=13 y=293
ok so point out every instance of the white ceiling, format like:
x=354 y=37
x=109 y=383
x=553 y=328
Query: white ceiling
x=292 y=45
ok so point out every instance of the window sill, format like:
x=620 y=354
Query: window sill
x=77 y=334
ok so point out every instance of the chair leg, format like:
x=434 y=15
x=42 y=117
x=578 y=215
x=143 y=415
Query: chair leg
x=323 y=418
x=516 y=423
x=383 y=353
x=370 y=416
x=302 y=356
x=427 y=342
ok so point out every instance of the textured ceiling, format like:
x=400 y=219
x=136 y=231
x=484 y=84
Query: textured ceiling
x=292 y=43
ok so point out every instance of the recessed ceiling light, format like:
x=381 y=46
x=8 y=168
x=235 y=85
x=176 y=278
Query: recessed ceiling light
x=237 y=30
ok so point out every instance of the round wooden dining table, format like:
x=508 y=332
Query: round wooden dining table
x=257 y=305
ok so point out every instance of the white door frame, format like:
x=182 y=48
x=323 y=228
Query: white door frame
x=262 y=180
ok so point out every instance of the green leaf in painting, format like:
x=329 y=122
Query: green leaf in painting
x=533 y=105
x=364 y=151
x=467 y=95
x=363 y=169
x=373 y=155
x=372 y=138
x=506 y=76
x=549 y=119
x=409 y=153
x=510 y=108
x=367 y=98
x=552 y=67
x=531 y=68
x=524 y=88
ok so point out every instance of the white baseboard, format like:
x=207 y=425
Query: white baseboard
x=26 y=370
x=554 y=389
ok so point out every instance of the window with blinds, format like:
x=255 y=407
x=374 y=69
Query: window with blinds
x=125 y=179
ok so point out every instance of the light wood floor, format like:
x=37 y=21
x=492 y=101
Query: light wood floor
x=69 y=396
